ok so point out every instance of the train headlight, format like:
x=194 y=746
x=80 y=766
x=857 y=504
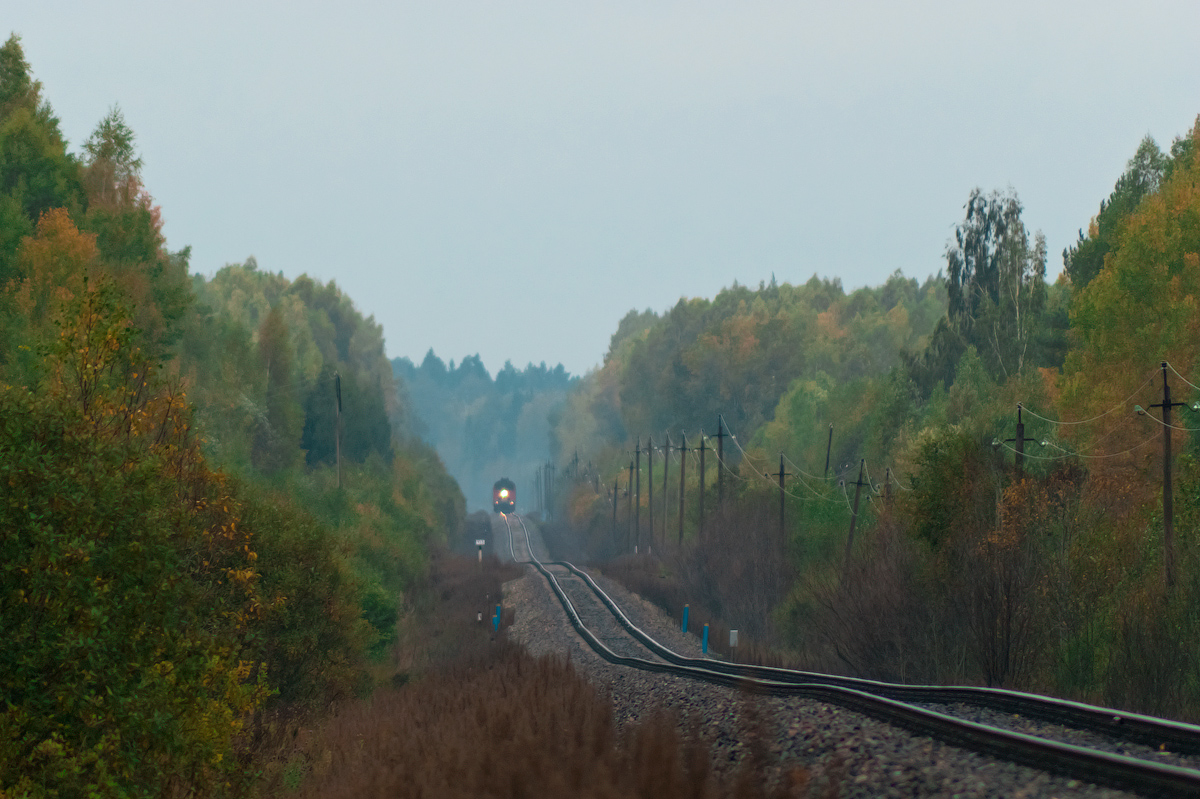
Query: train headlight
x=504 y=493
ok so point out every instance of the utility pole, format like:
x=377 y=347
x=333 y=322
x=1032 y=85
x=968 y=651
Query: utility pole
x=666 y=495
x=782 y=528
x=1020 y=445
x=721 y=461
x=683 y=450
x=828 y=449
x=700 y=529
x=650 y=489
x=629 y=494
x=858 y=484
x=1168 y=493
x=637 y=500
x=337 y=388
x=614 y=530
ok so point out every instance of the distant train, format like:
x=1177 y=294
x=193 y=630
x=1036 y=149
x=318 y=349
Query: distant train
x=504 y=496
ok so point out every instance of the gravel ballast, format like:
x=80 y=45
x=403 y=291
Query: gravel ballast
x=823 y=743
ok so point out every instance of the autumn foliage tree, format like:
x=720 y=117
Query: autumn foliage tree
x=155 y=608
x=36 y=171
x=129 y=589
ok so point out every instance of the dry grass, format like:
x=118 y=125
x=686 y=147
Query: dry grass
x=478 y=716
x=515 y=726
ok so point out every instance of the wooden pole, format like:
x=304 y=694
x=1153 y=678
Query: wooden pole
x=629 y=493
x=682 y=472
x=854 y=514
x=700 y=529
x=637 y=502
x=666 y=495
x=650 y=490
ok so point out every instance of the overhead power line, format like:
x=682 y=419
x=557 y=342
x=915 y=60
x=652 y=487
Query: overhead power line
x=1123 y=404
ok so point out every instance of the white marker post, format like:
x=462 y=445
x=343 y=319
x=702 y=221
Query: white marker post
x=479 y=542
x=733 y=645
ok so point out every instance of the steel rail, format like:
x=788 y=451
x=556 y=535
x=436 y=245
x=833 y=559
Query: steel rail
x=1143 y=777
x=1175 y=736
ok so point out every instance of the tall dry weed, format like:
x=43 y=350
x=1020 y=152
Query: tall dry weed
x=491 y=720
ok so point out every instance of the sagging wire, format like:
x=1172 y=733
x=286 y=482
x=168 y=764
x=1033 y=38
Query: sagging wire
x=669 y=447
x=870 y=482
x=745 y=454
x=724 y=465
x=1070 y=454
x=1114 y=409
x=1181 y=377
x=721 y=460
x=822 y=478
x=757 y=470
x=762 y=476
x=896 y=480
x=1160 y=422
x=803 y=482
x=775 y=487
x=846 y=495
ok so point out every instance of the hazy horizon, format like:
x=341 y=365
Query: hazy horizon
x=511 y=180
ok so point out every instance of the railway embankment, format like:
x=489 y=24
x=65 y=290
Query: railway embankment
x=803 y=747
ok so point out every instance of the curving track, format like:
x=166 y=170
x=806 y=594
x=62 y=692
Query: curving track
x=588 y=605
x=1144 y=740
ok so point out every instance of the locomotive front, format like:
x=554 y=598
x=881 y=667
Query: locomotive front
x=504 y=496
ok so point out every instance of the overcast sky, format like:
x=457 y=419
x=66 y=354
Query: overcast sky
x=511 y=178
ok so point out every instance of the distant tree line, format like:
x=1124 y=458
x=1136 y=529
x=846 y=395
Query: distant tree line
x=485 y=428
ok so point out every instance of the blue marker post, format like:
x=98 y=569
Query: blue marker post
x=704 y=641
x=496 y=619
x=685 y=615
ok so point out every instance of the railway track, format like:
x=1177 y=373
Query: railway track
x=588 y=605
x=1070 y=740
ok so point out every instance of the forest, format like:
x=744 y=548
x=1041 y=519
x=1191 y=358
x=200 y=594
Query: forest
x=484 y=428
x=218 y=497
x=959 y=480
x=214 y=505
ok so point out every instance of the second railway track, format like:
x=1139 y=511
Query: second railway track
x=1096 y=745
